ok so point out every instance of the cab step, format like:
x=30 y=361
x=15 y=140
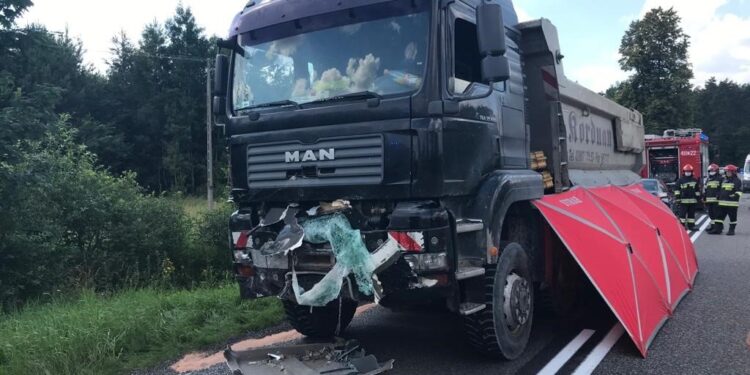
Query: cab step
x=463 y=273
x=468 y=308
x=469 y=225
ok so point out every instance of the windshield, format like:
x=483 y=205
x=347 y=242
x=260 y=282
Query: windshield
x=664 y=169
x=385 y=56
x=650 y=185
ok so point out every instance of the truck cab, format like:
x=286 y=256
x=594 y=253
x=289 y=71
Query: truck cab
x=405 y=128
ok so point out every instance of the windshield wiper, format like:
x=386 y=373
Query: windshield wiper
x=280 y=103
x=362 y=95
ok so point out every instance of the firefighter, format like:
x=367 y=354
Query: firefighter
x=687 y=194
x=711 y=195
x=729 y=200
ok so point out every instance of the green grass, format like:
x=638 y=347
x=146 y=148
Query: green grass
x=133 y=329
x=194 y=206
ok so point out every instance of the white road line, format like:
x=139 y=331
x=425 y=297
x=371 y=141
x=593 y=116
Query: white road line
x=600 y=351
x=704 y=217
x=566 y=353
x=700 y=231
x=699 y=222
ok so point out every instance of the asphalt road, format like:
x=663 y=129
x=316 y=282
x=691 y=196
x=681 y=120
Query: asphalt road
x=709 y=330
x=707 y=334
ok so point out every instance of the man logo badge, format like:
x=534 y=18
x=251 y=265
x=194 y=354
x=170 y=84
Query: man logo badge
x=310 y=155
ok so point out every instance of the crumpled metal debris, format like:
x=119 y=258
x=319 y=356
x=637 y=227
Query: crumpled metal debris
x=289 y=238
x=326 y=224
x=338 y=358
x=351 y=257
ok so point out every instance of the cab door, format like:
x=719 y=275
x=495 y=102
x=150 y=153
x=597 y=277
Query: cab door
x=472 y=137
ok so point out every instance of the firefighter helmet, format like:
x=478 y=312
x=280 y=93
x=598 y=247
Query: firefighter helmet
x=731 y=168
x=687 y=168
x=713 y=167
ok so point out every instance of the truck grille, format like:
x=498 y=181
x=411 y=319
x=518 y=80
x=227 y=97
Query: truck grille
x=355 y=161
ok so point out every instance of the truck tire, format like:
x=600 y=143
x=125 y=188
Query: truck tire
x=503 y=327
x=321 y=322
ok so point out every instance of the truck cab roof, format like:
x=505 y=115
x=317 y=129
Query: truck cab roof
x=258 y=14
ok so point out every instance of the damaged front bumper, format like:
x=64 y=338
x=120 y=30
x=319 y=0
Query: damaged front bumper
x=406 y=262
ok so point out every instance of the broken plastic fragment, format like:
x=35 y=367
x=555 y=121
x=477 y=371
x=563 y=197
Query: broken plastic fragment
x=326 y=290
x=288 y=239
x=351 y=257
x=386 y=254
x=273 y=216
x=425 y=283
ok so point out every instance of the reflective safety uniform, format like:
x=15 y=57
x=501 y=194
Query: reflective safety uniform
x=687 y=193
x=729 y=201
x=712 y=196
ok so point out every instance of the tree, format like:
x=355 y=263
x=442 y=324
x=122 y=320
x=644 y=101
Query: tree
x=723 y=114
x=158 y=95
x=10 y=10
x=186 y=127
x=146 y=115
x=655 y=49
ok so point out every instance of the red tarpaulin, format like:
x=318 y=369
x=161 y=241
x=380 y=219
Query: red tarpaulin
x=631 y=247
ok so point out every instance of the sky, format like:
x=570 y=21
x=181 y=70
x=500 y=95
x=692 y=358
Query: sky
x=590 y=30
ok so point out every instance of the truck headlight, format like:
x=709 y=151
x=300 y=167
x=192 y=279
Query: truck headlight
x=427 y=262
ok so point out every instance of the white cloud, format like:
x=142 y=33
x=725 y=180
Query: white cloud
x=522 y=14
x=597 y=77
x=626 y=19
x=720 y=42
x=97 y=21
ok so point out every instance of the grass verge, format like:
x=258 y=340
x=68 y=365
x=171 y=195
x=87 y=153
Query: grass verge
x=194 y=206
x=133 y=329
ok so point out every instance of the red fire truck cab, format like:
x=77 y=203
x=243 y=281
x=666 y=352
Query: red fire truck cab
x=666 y=155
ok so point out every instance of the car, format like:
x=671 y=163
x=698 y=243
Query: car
x=659 y=189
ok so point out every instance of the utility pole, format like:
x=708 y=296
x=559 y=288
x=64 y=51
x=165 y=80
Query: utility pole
x=209 y=140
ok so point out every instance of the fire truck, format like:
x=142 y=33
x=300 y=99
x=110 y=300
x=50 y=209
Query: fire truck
x=666 y=155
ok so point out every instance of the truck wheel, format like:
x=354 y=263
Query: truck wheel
x=320 y=322
x=502 y=329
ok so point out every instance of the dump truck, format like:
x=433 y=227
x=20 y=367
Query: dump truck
x=392 y=151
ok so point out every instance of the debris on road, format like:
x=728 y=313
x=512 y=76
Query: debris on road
x=338 y=358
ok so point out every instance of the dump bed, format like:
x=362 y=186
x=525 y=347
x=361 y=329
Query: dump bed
x=589 y=140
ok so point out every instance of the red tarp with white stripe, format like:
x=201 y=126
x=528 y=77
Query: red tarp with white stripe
x=631 y=247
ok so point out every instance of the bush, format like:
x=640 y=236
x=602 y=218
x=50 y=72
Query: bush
x=67 y=224
x=208 y=254
x=133 y=329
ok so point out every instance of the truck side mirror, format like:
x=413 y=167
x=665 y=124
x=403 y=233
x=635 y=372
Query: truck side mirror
x=491 y=39
x=221 y=75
